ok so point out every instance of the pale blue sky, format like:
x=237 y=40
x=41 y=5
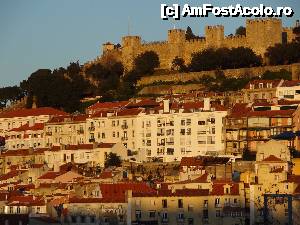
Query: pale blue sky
x=51 y=33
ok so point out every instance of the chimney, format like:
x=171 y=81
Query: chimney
x=166 y=105
x=31 y=122
x=206 y=104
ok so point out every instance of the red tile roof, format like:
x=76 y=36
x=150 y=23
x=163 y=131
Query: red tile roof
x=272 y=158
x=272 y=113
x=171 y=193
x=26 y=127
x=12 y=174
x=290 y=83
x=79 y=146
x=191 y=161
x=143 y=103
x=117 y=190
x=106 y=175
x=108 y=105
x=50 y=175
x=200 y=179
x=32 y=112
x=25 y=201
x=96 y=200
x=68 y=118
x=240 y=110
x=106 y=145
x=218 y=188
x=129 y=112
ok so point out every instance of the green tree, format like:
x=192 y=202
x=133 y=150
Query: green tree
x=178 y=64
x=9 y=94
x=240 y=31
x=281 y=54
x=113 y=160
x=282 y=74
x=146 y=62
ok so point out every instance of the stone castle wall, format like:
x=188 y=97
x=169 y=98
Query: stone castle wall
x=254 y=71
x=260 y=34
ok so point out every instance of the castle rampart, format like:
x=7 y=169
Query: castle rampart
x=260 y=34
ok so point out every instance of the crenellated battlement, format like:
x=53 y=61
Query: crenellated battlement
x=214 y=27
x=260 y=34
x=262 y=21
x=235 y=37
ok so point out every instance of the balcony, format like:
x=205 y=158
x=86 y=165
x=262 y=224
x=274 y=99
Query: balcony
x=124 y=138
x=80 y=131
x=92 y=140
x=124 y=126
x=218 y=205
x=49 y=133
x=164 y=220
x=92 y=128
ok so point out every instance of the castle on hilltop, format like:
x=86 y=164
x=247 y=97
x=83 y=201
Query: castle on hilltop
x=260 y=34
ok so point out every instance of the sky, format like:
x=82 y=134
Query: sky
x=37 y=34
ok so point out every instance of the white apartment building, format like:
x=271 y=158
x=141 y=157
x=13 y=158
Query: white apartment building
x=94 y=154
x=25 y=137
x=166 y=133
x=171 y=132
x=289 y=89
x=66 y=130
x=17 y=118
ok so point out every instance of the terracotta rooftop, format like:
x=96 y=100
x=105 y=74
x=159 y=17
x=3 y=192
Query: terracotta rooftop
x=108 y=105
x=68 y=118
x=50 y=175
x=272 y=113
x=32 y=112
x=218 y=188
x=26 y=127
x=272 y=158
x=191 y=161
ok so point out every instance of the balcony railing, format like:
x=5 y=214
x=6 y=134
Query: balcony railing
x=49 y=133
x=92 y=140
x=124 y=126
x=91 y=128
x=80 y=131
x=124 y=138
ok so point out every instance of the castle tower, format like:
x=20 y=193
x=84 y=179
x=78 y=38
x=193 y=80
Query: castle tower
x=214 y=36
x=107 y=47
x=130 y=50
x=176 y=42
x=263 y=33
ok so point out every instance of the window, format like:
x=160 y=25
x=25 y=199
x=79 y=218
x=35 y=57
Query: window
x=82 y=219
x=205 y=203
x=217 y=202
x=152 y=214
x=212 y=120
x=180 y=203
x=18 y=210
x=165 y=215
x=164 y=203
x=182 y=123
x=114 y=134
x=74 y=219
x=180 y=216
x=218 y=213
x=201 y=122
x=138 y=214
x=205 y=213
x=190 y=221
x=103 y=135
